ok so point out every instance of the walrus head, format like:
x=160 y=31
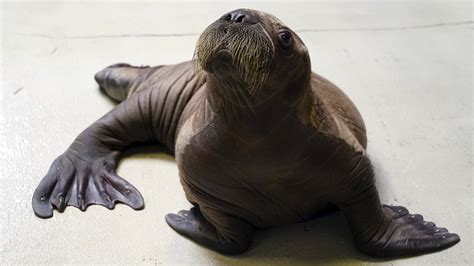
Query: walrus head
x=256 y=52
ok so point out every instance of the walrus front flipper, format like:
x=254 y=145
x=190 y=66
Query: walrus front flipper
x=387 y=231
x=80 y=182
x=402 y=234
x=227 y=235
x=85 y=173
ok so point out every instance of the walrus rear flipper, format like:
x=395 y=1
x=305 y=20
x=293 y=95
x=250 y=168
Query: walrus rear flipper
x=118 y=80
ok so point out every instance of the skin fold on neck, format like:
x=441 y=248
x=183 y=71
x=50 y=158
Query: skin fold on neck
x=247 y=115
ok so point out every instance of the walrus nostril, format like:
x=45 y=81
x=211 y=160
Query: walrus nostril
x=226 y=17
x=240 y=18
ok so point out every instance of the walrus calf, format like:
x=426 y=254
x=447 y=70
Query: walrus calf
x=259 y=140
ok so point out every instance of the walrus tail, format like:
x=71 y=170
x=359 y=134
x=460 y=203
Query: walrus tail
x=119 y=80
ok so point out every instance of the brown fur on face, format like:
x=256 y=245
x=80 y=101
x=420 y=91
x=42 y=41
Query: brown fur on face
x=250 y=48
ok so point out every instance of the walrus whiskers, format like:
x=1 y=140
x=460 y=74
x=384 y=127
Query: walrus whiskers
x=232 y=101
x=251 y=52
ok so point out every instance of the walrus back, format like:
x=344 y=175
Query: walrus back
x=169 y=90
x=164 y=90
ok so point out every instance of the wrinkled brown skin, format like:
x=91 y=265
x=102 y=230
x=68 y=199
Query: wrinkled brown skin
x=280 y=156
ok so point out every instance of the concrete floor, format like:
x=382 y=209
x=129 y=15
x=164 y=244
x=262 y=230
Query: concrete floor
x=407 y=66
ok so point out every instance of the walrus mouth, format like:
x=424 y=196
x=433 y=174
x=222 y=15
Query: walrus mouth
x=244 y=48
x=222 y=60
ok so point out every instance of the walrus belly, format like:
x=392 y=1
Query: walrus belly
x=261 y=205
x=265 y=184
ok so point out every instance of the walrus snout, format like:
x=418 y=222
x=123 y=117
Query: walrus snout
x=237 y=44
x=240 y=16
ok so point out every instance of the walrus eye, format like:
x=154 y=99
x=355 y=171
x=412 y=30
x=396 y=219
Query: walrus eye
x=285 y=38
